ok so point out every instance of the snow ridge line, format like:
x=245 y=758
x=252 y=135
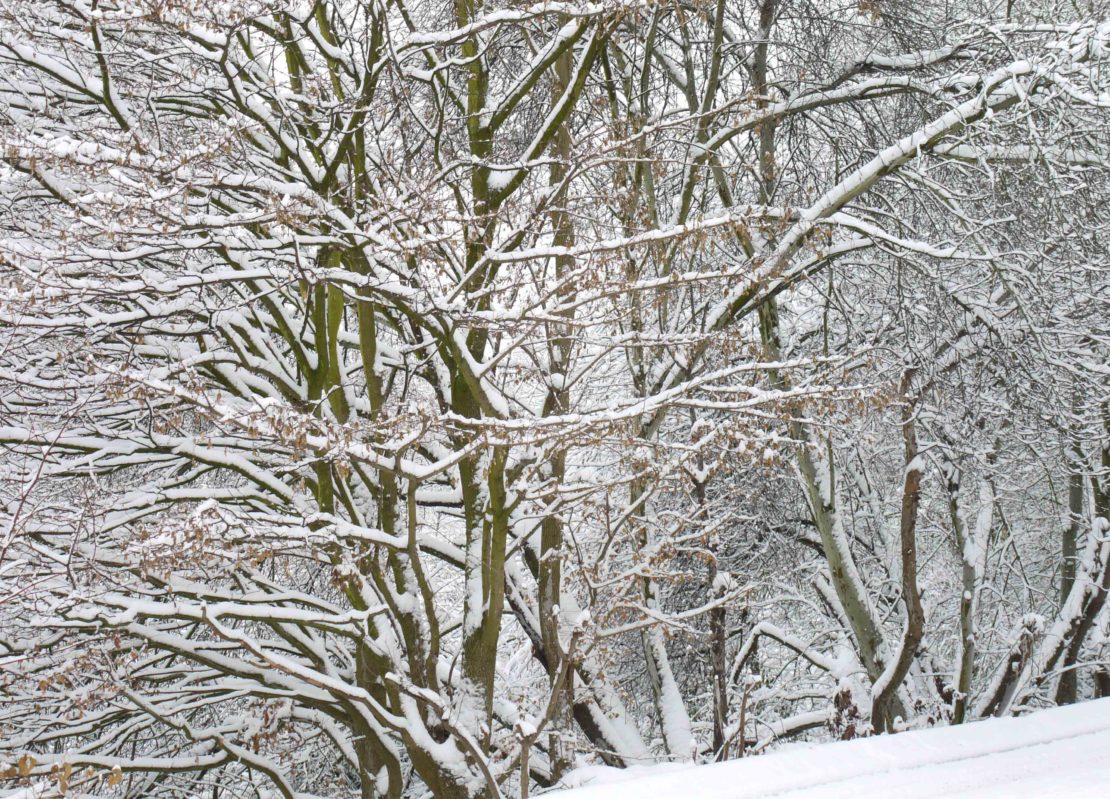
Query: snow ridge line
x=799 y=769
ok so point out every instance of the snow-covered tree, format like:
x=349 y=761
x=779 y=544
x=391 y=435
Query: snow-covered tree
x=401 y=397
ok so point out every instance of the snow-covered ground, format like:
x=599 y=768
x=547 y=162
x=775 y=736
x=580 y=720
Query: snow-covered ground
x=1063 y=753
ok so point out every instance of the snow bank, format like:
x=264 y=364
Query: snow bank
x=1062 y=752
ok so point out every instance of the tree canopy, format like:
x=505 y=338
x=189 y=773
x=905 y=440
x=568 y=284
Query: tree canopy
x=403 y=398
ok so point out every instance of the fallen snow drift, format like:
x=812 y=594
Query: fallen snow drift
x=1063 y=752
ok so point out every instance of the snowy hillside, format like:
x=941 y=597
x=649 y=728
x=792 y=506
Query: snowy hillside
x=1055 y=753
